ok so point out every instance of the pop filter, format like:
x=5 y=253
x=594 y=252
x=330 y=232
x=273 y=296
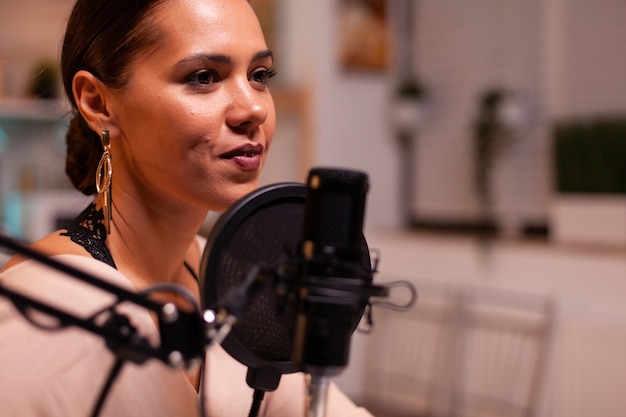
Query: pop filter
x=261 y=230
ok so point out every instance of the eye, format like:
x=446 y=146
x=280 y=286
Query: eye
x=262 y=76
x=203 y=77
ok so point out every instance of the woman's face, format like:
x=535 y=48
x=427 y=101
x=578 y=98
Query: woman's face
x=197 y=119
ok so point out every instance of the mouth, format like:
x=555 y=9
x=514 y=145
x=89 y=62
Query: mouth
x=247 y=157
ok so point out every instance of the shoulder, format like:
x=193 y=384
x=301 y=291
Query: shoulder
x=50 y=245
x=196 y=250
x=200 y=242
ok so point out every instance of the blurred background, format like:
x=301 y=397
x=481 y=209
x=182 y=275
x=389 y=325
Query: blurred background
x=494 y=136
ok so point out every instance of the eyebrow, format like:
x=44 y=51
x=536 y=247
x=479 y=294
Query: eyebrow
x=224 y=59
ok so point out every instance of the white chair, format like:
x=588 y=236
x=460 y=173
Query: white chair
x=501 y=350
x=408 y=355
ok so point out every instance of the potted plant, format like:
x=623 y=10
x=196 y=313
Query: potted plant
x=589 y=204
x=407 y=107
x=406 y=118
x=45 y=83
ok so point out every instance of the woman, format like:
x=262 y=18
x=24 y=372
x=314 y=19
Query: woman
x=172 y=118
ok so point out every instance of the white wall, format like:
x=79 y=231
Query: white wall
x=353 y=132
x=348 y=110
x=462 y=51
x=564 y=57
x=593 y=62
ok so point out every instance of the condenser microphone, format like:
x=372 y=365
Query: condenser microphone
x=333 y=282
x=305 y=242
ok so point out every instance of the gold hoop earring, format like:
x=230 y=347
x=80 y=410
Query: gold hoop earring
x=103 y=180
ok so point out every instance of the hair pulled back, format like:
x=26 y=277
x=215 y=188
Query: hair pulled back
x=102 y=37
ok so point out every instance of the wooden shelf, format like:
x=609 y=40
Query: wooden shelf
x=33 y=110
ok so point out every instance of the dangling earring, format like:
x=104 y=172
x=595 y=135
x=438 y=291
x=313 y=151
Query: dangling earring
x=103 y=180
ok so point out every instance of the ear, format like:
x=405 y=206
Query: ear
x=93 y=101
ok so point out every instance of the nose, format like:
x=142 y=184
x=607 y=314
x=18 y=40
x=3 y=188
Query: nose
x=248 y=108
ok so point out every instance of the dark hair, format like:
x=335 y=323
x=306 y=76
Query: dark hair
x=102 y=37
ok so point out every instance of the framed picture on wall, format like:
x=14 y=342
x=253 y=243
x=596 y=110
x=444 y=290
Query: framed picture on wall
x=363 y=35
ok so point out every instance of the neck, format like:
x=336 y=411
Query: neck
x=150 y=246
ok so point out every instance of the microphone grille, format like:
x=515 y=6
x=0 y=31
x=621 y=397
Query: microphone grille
x=335 y=210
x=262 y=239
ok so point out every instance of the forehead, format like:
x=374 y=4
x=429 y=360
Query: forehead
x=208 y=24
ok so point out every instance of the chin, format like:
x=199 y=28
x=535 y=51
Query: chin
x=245 y=191
x=237 y=193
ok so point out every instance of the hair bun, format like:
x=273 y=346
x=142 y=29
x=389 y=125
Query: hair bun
x=83 y=155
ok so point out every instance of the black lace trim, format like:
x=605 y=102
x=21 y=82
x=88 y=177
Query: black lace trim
x=88 y=231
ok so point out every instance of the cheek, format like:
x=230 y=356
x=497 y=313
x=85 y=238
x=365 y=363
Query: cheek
x=269 y=127
x=170 y=130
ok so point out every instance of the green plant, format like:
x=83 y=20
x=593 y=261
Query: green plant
x=590 y=156
x=490 y=135
x=410 y=88
x=45 y=80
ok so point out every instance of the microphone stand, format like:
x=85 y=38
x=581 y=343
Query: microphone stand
x=343 y=297
x=184 y=335
x=316 y=395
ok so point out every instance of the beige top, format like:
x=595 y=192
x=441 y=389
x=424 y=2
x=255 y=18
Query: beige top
x=61 y=373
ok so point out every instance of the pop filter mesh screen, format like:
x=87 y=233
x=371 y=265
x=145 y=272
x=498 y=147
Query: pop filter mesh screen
x=261 y=240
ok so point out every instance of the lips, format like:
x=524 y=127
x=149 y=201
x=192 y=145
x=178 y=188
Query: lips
x=247 y=157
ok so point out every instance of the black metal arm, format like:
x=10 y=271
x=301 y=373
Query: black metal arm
x=184 y=335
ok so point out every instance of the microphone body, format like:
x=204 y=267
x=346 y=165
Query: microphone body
x=331 y=278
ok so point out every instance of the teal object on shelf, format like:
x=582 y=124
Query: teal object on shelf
x=13 y=215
